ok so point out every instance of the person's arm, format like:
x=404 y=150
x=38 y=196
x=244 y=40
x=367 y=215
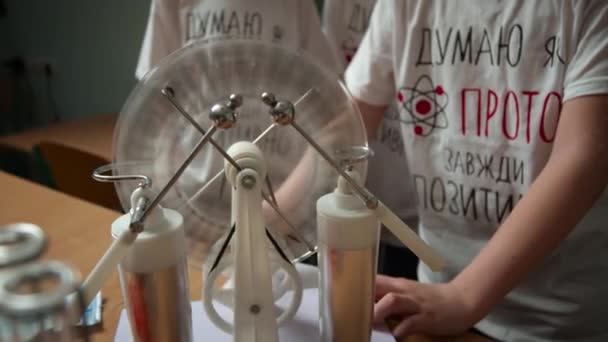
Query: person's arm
x=372 y=117
x=296 y=189
x=573 y=178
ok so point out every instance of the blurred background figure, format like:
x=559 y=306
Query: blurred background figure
x=293 y=24
x=345 y=23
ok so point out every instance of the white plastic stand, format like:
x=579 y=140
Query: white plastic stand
x=254 y=304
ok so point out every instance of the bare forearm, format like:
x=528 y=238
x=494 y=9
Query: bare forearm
x=372 y=117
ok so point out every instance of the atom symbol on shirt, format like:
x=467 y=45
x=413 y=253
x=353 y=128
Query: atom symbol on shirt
x=425 y=105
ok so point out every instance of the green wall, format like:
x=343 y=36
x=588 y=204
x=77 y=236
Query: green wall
x=5 y=49
x=91 y=45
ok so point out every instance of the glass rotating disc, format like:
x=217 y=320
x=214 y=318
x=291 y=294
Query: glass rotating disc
x=152 y=138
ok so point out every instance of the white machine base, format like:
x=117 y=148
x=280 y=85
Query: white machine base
x=303 y=328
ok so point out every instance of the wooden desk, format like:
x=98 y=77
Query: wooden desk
x=79 y=234
x=93 y=135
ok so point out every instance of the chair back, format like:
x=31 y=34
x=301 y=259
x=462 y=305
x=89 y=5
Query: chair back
x=71 y=170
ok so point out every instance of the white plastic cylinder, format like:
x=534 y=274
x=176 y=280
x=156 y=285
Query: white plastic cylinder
x=348 y=236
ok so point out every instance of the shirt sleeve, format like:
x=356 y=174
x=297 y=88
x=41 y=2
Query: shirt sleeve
x=587 y=71
x=162 y=35
x=333 y=27
x=313 y=40
x=370 y=75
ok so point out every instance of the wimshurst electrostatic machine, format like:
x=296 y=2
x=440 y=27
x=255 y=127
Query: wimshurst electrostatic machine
x=243 y=158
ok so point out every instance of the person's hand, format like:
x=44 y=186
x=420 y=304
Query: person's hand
x=438 y=309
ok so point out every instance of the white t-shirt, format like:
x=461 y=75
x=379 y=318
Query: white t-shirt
x=345 y=22
x=292 y=24
x=174 y=23
x=480 y=85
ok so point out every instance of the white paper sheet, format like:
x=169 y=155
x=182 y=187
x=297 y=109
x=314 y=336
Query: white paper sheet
x=303 y=328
